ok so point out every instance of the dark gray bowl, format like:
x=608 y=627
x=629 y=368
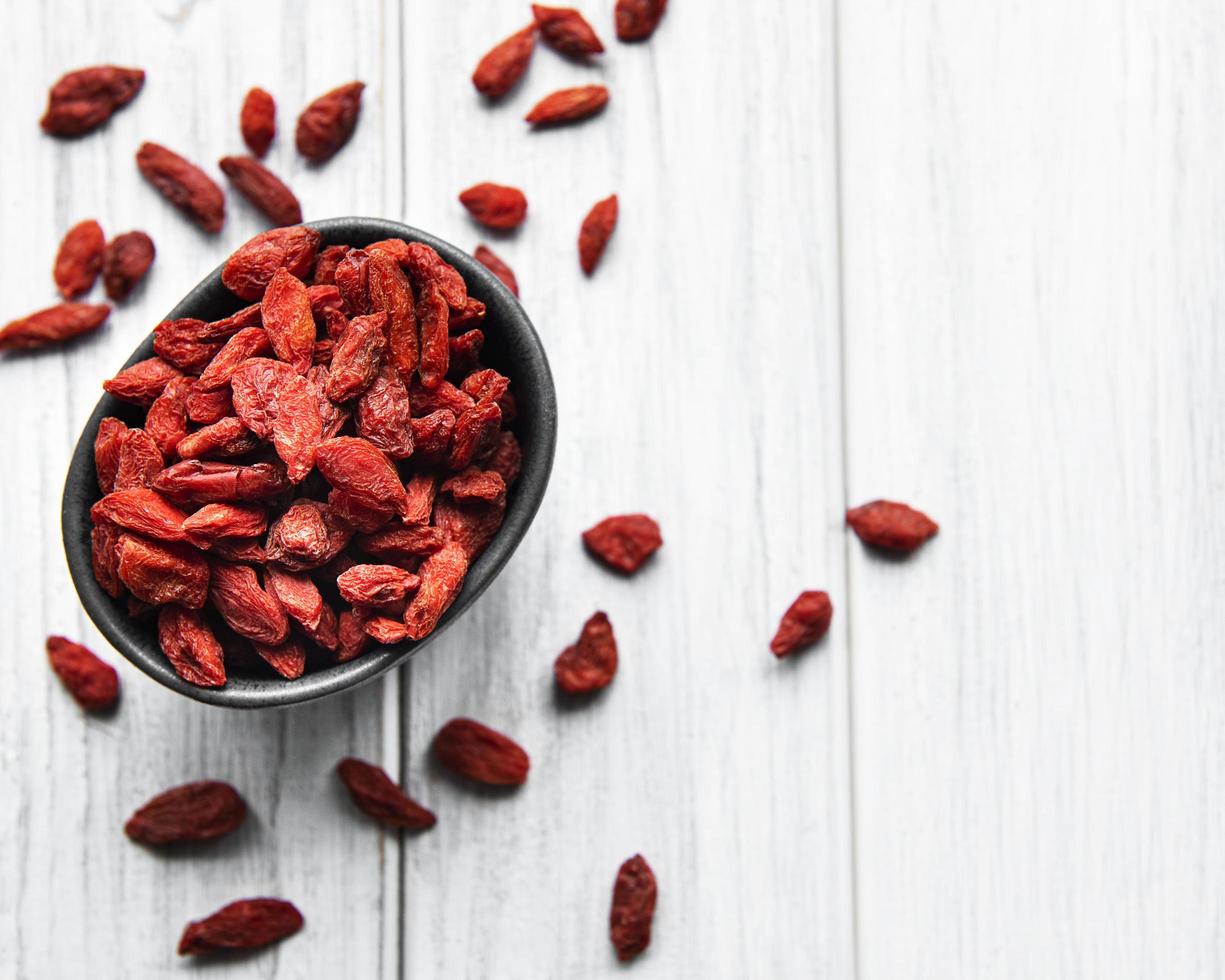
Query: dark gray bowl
x=511 y=346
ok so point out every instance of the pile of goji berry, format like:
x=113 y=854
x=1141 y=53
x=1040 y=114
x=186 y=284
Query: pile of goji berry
x=334 y=445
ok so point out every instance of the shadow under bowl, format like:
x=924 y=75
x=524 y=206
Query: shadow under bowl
x=511 y=346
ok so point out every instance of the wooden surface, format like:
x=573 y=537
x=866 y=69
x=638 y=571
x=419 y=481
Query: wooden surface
x=963 y=255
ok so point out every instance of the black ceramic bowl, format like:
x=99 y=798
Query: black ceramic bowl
x=511 y=346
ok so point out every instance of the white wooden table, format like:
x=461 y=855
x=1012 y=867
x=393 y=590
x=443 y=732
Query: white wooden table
x=967 y=255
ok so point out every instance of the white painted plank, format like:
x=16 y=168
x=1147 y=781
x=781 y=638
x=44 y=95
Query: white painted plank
x=77 y=897
x=697 y=377
x=1033 y=243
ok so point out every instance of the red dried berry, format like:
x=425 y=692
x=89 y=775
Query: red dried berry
x=402 y=543
x=257 y=121
x=390 y=292
x=104 y=557
x=633 y=908
x=351 y=641
x=499 y=268
x=623 y=543
x=124 y=263
x=92 y=682
x=325 y=265
x=566 y=31
x=805 y=621
x=249 y=270
x=477 y=752
x=79 y=259
x=246 y=924
x=357 y=466
x=213 y=521
x=375 y=585
x=384 y=415
x=166 y=422
x=264 y=189
x=203 y=810
x=53 y=325
x=183 y=184
x=357 y=357
x=86 y=98
x=107 y=444
x=247 y=344
x=190 y=646
x=637 y=19
x=299 y=595
x=500 y=69
x=495 y=205
x=198 y=482
x=159 y=573
x=374 y=793
x=442 y=577
x=142 y=510
x=142 y=382
x=140 y=460
x=327 y=123
x=891 y=526
x=568 y=105
x=591 y=663
x=182 y=344
x=247 y=609
x=288 y=659
x=224 y=439
x=433 y=319
x=597 y=228
x=286 y=311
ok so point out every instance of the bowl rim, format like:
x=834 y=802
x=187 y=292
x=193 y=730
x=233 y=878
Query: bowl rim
x=80 y=488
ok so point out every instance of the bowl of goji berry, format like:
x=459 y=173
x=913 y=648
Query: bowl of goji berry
x=312 y=467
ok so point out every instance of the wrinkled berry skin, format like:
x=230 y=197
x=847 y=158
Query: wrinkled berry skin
x=804 y=622
x=327 y=123
x=891 y=526
x=374 y=793
x=246 y=924
x=477 y=752
x=197 y=811
x=625 y=542
x=500 y=70
x=92 y=682
x=633 y=908
x=86 y=98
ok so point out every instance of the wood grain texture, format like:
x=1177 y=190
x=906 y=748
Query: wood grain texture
x=1032 y=235
x=77 y=898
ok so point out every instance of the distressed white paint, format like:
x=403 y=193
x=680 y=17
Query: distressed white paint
x=1002 y=762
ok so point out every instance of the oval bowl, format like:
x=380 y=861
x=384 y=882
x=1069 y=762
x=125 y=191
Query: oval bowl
x=511 y=345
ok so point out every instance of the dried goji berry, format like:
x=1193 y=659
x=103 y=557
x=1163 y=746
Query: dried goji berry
x=79 y=259
x=166 y=422
x=424 y=265
x=288 y=321
x=391 y=293
x=490 y=261
x=566 y=31
x=200 y=482
x=213 y=521
x=207 y=407
x=203 y=810
x=246 y=924
x=375 y=585
x=475 y=431
x=242 y=550
x=402 y=542
x=441 y=579
x=352 y=278
x=92 y=682
x=298 y=593
x=637 y=19
x=226 y=438
x=591 y=663
x=248 y=610
x=288 y=659
x=463 y=352
x=107 y=444
x=249 y=270
x=307 y=535
x=495 y=205
x=500 y=69
x=357 y=466
x=432 y=435
x=86 y=98
x=433 y=318
x=54 y=325
x=568 y=105
x=633 y=908
x=471 y=314
x=140 y=460
x=352 y=640
x=805 y=621
x=160 y=573
x=142 y=510
x=479 y=753
x=597 y=229
x=357 y=357
x=142 y=382
x=356 y=513
x=124 y=263
x=183 y=184
x=506 y=458
x=257 y=121
x=385 y=629
x=104 y=557
x=326 y=634
x=624 y=542
x=184 y=344
x=264 y=189
x=332 y=416
x=327 y=123
x=472 y=522
x=248 y=343
x=190 y=646
x=384 y=415
x=326 y=263
x=374 y=793
x=445 y=396
x=475 y=484
x=891 y=526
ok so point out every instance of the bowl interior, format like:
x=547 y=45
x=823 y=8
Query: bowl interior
x=511 y=346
